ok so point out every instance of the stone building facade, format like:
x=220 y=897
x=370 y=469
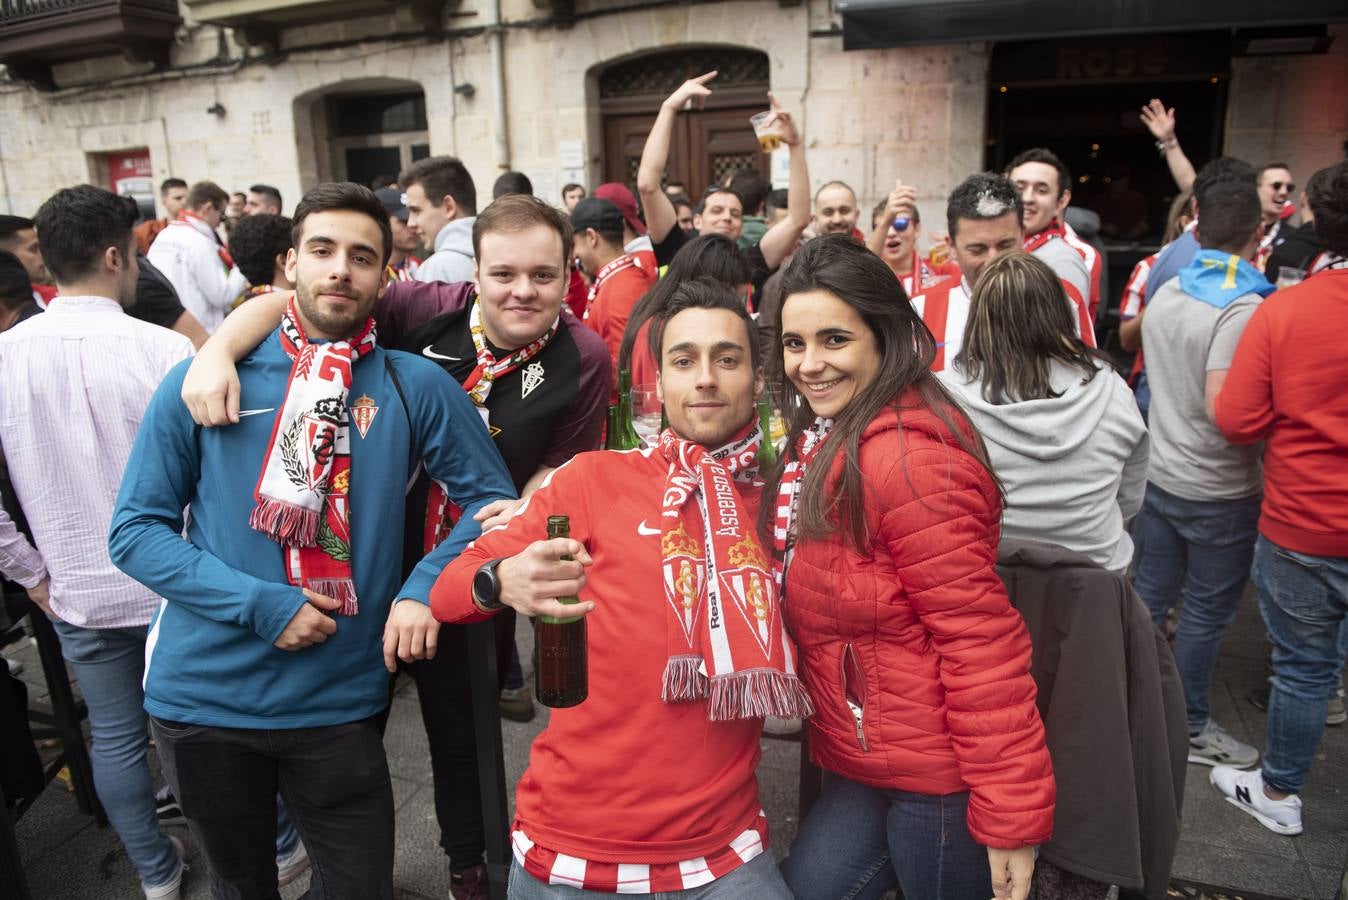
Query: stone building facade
x=240 y=113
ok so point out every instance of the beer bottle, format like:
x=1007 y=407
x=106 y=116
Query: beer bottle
x=767 y=451
x=611 y=427
x=625 y=437
x=561 y=669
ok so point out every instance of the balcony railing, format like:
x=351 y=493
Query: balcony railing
x=257 y=21
x=36 y=34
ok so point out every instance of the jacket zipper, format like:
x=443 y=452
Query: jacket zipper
x=856 y=706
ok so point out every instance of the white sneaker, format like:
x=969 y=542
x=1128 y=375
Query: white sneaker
x=292 y=865
x=1214 y=747
x=1245 y=791
x=172 y=889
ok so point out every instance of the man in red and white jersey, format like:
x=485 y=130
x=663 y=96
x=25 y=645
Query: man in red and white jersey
x=1045 y=190
x=896 y=226
x=984 y=218
x=647 y=786
x=1095 y=263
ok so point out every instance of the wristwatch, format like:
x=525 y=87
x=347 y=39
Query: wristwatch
x=487 y=586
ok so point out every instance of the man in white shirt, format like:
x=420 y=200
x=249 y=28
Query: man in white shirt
x=190 y=255
x=74 y=384
x=441 y=202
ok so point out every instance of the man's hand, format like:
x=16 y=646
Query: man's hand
x=1011 y=872
x=411 y=632
x=497 y=512
x=532 y=580
x=693 y=87
x=41 y=595
x=211 y=389
x=902 y=198
x=785 y=125
x=312 y=624
x=1159 y=120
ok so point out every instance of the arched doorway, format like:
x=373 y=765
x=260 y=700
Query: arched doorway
x=360 y=130
x=708 y=143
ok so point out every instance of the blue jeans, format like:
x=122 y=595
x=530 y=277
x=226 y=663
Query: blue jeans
x=1304 y=601
x=757 y=879
x=1142 y=394
x=1203 y=547
x=109 y=664
x=859 y=842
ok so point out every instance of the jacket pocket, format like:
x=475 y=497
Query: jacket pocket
x=854 y=691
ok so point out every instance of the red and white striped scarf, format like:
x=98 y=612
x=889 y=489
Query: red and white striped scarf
x=607 y=271
x=489 y=368
x=788 y=495
x=306 y=476
x=1034 y=241
x=726 y=637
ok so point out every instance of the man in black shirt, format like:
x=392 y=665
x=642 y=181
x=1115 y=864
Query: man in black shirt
x=720 y=211
x=1296 y=248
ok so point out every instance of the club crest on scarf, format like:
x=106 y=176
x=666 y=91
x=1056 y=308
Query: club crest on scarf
x=303 y=489
x=743 y=663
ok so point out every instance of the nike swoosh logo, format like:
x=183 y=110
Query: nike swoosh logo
x=428 y=352
x=642 y=529
x=255 y=412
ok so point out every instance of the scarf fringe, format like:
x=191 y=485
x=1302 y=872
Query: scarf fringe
x=684 y=680
x=758 y=693
x=285 y=522
x=342 y=590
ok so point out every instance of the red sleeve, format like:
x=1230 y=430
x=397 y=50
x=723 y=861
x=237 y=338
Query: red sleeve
x=1083 y=314
x=577 y=294
x=612 y=309
x=407 y=305
x=581 y=429
x=452 y=593
x=940 y=520
x=1244 y=406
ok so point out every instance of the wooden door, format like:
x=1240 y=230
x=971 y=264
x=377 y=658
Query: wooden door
x=706 y=146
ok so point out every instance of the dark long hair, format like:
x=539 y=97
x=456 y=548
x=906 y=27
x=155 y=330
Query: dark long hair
x=709 y=256
x=847 y=270
x=1020 y=323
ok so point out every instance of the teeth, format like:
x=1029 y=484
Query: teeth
x=823 y=386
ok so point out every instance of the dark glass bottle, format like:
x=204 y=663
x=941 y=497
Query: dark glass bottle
x=561 y=667
x=625 y=436
x=767 y=451
x=611 y=428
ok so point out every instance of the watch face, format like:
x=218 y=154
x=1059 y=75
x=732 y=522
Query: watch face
x=484 y=586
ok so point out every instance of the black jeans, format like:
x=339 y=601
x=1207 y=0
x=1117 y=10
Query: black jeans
x=444 y=691
x=334 y=780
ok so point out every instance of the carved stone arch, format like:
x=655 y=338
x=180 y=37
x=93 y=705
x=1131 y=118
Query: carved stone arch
x=346 y=127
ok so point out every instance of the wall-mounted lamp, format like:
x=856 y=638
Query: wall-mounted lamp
x=465 y=90
x=216 y=109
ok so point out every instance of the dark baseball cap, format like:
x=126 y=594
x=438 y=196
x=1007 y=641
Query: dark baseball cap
x=601 y=215
x=621 y=197
x=392 y=198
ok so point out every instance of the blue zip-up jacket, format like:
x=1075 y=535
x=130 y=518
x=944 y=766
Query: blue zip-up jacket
x=210 y=658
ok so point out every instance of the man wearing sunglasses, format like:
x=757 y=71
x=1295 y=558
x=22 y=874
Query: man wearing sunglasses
x=895 y=229
x=1275 y=188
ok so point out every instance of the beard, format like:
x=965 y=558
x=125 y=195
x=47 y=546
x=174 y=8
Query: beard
x=336 y=324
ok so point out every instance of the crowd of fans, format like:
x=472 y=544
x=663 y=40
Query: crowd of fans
x=244 y=530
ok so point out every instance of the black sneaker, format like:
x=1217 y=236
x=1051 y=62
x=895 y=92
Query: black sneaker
x=166 y=805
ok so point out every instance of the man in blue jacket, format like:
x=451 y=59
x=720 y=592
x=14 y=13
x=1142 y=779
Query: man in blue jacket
x=263 y=665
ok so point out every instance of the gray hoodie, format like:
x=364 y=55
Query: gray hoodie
x=1074 y=468
x=452 y=260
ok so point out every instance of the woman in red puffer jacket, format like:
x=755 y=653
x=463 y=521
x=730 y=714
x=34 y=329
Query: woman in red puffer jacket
x=938 y=778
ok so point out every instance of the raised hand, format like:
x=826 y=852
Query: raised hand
x=784 y=123
x=693 y=87
x=1159 y=120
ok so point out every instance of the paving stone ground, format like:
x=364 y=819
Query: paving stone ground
x=67 y=857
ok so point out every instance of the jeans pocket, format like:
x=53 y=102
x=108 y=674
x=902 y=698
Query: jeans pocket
x=174 y=731
x=1300 y=588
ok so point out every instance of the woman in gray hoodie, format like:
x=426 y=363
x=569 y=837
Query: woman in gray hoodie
x=1062 y=428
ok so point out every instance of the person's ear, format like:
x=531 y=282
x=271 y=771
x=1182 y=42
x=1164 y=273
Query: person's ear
x=450 y=207
x=292 y=266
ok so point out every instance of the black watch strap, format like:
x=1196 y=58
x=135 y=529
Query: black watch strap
x=487 y=587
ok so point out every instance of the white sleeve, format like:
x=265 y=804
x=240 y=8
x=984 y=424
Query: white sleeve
x=19 y=560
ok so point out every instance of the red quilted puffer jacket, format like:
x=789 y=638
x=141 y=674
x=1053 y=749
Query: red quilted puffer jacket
x=918 y=665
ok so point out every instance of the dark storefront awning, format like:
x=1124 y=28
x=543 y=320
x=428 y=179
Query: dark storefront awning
x=898 y=23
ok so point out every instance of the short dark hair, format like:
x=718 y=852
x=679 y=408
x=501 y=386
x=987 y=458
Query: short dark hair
x=515 y=212
x=255 y=243
x=511 y=183
x=1259 y=175
x=16 y=288
x=169 y=184
x=1048 y=158
x=1327 y=194
x=441 y=175
x=775 y=200
x=267 y=190
x=752 y=188
x=342 y=195
x=985 y=195
x=1230 y=213
x=701 y=293
x=1220 y=169
x=77 y=225
x=568 y=188
x=204 y=192
x=677 y=200
x=717 y=189
x=12 y=225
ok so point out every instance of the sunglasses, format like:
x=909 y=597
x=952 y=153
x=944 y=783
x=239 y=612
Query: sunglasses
x=1279 y=185
x=900 y=223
